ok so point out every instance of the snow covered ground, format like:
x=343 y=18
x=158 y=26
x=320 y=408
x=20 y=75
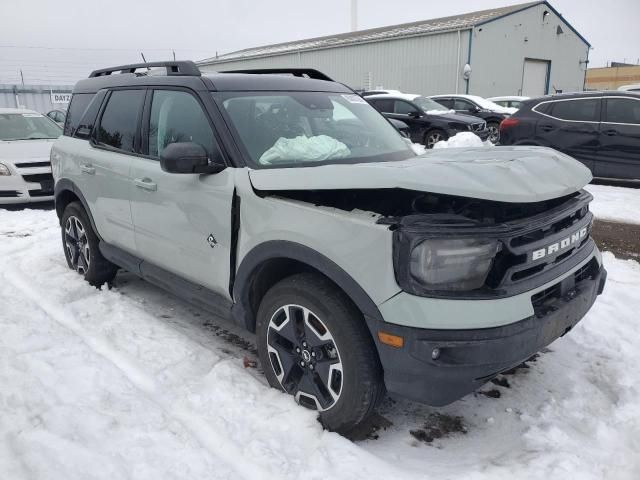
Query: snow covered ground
x=131 y=383
x=617 y=204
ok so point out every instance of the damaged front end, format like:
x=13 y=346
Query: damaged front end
x=455 y=247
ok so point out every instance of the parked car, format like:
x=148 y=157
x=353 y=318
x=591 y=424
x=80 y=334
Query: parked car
x=368 y=93
x=57 y=116
x=509 y=101
x=630 y=88
x=291 y=206
x=26 y=138
x=601 y=129
x=428 y=121
x=478 y=107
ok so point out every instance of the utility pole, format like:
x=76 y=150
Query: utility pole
x=354 y=15
x=22 y=77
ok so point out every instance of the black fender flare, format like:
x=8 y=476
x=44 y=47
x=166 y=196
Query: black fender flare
x=282 y=249
x=66 y=185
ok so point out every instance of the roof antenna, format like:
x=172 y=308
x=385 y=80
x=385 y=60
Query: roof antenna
x=145 y=61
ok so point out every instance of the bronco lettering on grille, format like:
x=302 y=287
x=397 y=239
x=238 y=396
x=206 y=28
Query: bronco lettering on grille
x=561 y=245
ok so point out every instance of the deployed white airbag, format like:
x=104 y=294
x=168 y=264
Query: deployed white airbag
x=304 y=149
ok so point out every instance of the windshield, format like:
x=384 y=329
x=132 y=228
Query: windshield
x=27 y=126
x=301 y=128
x=428 y=105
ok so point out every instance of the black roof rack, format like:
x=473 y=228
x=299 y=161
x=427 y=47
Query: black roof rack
x=296 y=72
x=176 y=68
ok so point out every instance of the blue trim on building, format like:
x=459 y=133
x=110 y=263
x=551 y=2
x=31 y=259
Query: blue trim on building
x=546 y=87
x=469 y=59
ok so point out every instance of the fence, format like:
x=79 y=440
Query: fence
x=41 y=98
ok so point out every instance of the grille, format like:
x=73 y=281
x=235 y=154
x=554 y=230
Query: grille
x=32 y=164
x=515 y=264
x=38 y=177
x=9 y=193
x=544 y=302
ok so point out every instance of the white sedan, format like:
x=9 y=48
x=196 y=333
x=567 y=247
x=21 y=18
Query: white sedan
x=25 y=143
x=508 y=101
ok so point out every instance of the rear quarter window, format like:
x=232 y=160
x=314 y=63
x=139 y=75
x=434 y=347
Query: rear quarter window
x=77 y=107
x=580 y=110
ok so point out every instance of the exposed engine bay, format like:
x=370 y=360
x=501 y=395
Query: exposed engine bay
x=394 y=204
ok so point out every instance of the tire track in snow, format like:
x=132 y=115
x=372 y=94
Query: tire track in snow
x=217 y=445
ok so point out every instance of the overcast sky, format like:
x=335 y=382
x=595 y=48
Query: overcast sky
x=60 y=41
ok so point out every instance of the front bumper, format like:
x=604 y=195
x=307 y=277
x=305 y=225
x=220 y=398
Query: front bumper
x=20 y=188
x=466 y=359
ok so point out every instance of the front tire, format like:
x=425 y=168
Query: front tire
x=80 y=244
x=434 y=136
x=313 y=344
x=494 y=132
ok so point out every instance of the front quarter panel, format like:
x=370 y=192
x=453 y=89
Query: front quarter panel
x=352 y=240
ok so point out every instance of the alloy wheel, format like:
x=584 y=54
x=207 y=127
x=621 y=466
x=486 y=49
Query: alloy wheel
x=494 y=133
x=77 y=245
x=434 y=138
x=304 y=357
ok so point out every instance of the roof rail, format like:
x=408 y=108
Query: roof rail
x=296 y=72
x=176 y=68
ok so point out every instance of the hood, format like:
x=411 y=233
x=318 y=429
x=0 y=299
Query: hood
x=25 y=150
x=501 y=174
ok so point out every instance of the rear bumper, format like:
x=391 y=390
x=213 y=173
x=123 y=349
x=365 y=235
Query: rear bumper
x=466 y=359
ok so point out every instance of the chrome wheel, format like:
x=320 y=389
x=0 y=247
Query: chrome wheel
x=434 y=138
x=304 y=357
x=77 y=245
x=494 y=132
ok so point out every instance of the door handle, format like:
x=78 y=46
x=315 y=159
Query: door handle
x=547 y=128
x=610 y=133
x=87 y=168
x=145 y=184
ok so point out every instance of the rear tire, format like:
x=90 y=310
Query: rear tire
x=434 y=136
x=80 y=244
x=313 y=344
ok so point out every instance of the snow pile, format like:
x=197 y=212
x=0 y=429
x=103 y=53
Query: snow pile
x=616 y=204
x=133 y=383
x=463 y=140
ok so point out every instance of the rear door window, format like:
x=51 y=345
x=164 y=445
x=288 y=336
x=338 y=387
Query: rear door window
x=384 y=106
x=119 y=123
x=404 y=108
x=622 y=110
x=581 y=110
x=463 y=105
x=445 y=102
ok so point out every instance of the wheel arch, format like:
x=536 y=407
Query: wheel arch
x=66 y=192
x=272 y=261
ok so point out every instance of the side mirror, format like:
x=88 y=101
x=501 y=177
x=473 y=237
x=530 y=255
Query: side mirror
x=414 y=114
x=187 y=157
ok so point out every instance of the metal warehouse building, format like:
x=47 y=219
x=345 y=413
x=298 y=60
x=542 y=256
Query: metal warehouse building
x=526 y=49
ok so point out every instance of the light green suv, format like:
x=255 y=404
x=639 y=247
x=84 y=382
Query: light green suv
x=281 y=200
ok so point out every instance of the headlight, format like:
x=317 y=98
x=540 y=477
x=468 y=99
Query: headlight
x=4 y=170
x=452 y=264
